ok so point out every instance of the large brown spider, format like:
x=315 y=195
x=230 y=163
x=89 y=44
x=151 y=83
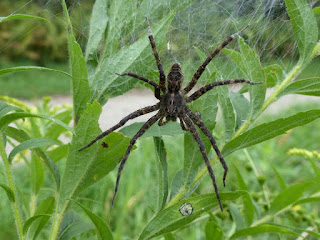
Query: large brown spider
x=173 y=104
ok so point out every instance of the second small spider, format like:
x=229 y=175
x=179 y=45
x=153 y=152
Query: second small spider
x=172 y=105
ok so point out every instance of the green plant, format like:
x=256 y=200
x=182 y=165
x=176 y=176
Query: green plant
x=94 y=81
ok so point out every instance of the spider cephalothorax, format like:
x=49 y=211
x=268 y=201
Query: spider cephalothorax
x=172 y=105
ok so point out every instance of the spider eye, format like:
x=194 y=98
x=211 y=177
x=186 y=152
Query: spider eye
x=186 y=209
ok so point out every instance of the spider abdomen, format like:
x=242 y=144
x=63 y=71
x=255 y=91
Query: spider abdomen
x=172 y=105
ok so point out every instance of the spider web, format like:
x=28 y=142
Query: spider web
x=203 y=24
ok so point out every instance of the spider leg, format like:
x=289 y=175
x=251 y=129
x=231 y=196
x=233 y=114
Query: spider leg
x=152 y=83
x=156 y=55
x=196 y=137
x=142 y=130
x=201 y=69
x=206 y=131
x=182 y=124
x=133 y=115
x=208 y=87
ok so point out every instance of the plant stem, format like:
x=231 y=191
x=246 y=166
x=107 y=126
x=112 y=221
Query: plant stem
x=15 y=204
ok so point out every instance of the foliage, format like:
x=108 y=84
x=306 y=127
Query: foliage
x=61 y=206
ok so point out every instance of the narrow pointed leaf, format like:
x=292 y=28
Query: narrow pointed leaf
x=161 y=155
x=262 y=229
x=102 y=228
x=28 y=223
x=9 y=118
x=304 y=26
x=309 y=87
x=248 y=207
x=254 y=73
x=5 y=108
x=170 y=219
x=80 y=82
x=21 y=136
x=46 y=207
x=269 y=130
x=289 y=196
x=20 y=16
x=9 y=192
x=31 y=143
x=30 y=68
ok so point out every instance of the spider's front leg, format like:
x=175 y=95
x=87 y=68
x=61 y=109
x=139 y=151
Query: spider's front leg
x=201 y=69
x=142 y=130
x=196 y=137
x=152 y=83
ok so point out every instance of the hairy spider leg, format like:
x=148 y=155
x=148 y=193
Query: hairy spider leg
x=182 y=124
x=196 y=137
x=208 y=87
x=197 y=121
x=142 y=130
x=201 y=69
x=152 y=83
x=156 y=55
x=123 y=121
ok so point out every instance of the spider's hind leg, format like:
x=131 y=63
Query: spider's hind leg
x=206 y=131
x=196 y=137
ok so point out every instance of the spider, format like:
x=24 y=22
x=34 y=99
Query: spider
x=172 y=105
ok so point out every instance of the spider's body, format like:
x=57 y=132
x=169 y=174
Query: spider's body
x=172 y=105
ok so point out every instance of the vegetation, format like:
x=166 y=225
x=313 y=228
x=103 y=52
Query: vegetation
x=53 y=193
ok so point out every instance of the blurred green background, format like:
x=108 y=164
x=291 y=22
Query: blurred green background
x=202 y=25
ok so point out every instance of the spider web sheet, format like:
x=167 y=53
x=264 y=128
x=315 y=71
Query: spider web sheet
x=202 y=24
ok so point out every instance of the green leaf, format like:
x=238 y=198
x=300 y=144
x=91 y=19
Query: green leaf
x=289 y=196
x=72 y=225
x=88 y=166
x=248 y=207
x=105 y=160
x=307 y=200
x=31 y=143
x=213 y=231
x=280 y=179
x=264 y=228
x=172 y=128
x=80 y=82
x=170 y=219
x=46 y=207
x=236 y=216
x=98 y=24
x=28 y=223
x=122 y=60
x=21 y=136
x=59 y=153
x=102 y=228
x=304 y=26
x=30 y=68
x=9 y=118
x=241 y=107
x=161 y=155
x=316 y=10
x=274 y=75
x=269 y=130
x=20 y=16
x=9 y=192
x=254 y=73
x=37 y=176
x=309 y=87
x=228 y=112
x=5 y=108
x=54 y=131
